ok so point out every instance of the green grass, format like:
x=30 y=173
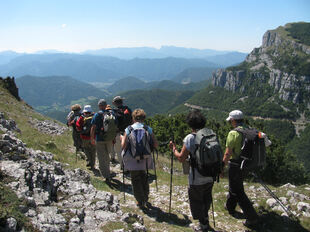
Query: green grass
x=10 y=206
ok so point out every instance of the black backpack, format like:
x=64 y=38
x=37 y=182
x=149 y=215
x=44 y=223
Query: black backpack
x=253 y=151
x=123 y=117
x=75 y=118
x=208 y=156
x=140 y=143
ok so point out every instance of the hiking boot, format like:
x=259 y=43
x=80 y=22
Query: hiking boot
x=112 y=175
x=141 y=205
x=113 y=161
x=250 y=223
x=231 y=212
x=148 y=204
x=203 y=228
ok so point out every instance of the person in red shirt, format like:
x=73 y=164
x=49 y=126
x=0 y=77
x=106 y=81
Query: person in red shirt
x=83 y=125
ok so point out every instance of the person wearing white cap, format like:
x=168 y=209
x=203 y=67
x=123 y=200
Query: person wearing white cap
x=231 y=157
x=83 y=125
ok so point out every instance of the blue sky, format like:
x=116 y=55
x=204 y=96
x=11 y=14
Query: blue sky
x=78 y=25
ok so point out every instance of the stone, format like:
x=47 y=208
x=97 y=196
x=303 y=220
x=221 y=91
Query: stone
x=11 y=224
x=271 y=202
x=303 y=206
x=288 y=185
x=137 y=227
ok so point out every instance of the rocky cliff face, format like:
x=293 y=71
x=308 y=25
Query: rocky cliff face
x=274 y=61
x=9 y=84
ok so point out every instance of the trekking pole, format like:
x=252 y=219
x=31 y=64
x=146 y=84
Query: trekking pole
x=155 y=169
x=288 y=211
x=171 y=173
x=124 y=182
x=212 y=210
x=171 y=170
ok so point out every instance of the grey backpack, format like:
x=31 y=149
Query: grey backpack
x=140 y=143
x=208 y=155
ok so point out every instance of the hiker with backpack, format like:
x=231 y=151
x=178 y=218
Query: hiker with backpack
x=123 y=119
x=83 y=125
x=237 y=165
x=72 y=118
x=201 y=174
x=137 y=144
x=103 y=132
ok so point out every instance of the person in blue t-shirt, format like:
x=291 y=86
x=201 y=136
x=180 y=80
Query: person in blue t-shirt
x=103 y=143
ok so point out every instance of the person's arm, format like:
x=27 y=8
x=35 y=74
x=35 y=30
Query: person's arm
x=123 y=141
x=92 y=134
x=227 y=155
x=182 y=156
x=155 y=143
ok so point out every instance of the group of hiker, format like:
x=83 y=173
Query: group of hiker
x=123 y=132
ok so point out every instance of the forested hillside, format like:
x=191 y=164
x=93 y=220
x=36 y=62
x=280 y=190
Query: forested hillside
x=55 y=92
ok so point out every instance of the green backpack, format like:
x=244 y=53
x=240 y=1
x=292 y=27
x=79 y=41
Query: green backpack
x=109 y=127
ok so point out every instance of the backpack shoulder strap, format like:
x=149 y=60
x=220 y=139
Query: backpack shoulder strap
x=130 y=128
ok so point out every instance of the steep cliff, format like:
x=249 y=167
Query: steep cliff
x=279 y=68
x=9 y=84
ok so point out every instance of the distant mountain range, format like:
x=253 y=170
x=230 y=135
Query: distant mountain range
x=167 y=51
x=109 y=65
x=91 y=68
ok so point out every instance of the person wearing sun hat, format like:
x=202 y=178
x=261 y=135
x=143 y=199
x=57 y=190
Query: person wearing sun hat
x=72 y=118
x=124 y=119
x=231 y=158
x=83 y=125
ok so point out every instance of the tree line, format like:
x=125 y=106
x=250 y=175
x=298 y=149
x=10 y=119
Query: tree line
x=282 y=165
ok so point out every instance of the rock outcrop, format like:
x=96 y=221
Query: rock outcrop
x=9 y=84
x=264 y=62
x=57 y=199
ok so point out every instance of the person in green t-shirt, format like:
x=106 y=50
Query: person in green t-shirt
x=231 y=157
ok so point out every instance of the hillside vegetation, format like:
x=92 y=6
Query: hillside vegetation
x=46 y=94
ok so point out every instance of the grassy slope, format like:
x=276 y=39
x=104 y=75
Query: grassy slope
x=161 y=221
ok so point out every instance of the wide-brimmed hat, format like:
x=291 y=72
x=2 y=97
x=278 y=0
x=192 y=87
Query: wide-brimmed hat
x=87 y=108
x=118 y=99
x=76 y=107
x=235 y=114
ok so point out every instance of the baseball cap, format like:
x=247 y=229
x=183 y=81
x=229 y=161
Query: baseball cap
x=87 y=108
x=102 y=102
x=235 y=114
